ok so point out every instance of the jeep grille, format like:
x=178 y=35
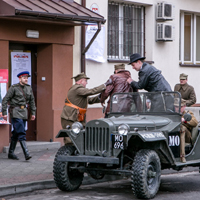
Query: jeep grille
x=96 y=140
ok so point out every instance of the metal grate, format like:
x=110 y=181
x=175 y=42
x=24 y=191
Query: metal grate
x=97 y=139
x=125 y=30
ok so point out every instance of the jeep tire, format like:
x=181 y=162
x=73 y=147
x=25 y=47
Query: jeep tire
x=65 y=178
x=146 y=171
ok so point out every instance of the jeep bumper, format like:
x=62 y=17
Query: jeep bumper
x=88 y=159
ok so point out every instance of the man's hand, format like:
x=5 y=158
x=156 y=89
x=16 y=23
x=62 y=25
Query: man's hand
x=129 y=80
x=5 y=117
x=108 y=82
x=32 y=117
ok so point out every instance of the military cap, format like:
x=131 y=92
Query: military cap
x=119 y=66
x=183 y=76
x=24 y=73
x=176 y=102
x=80 y=76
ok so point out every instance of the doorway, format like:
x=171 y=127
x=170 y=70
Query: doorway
x=31 y=133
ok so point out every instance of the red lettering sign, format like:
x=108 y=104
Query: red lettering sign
x=3 y=75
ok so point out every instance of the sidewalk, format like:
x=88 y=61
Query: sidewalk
x=17 y=176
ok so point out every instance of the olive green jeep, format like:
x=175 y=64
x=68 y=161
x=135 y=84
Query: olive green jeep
x=140 y=137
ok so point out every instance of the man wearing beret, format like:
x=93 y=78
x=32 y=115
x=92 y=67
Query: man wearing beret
x=186 y=90
x=119 y=85
x=186 y=128
x=19 y=96
x=77 y=101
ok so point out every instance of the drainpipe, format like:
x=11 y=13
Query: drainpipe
x=83 y=3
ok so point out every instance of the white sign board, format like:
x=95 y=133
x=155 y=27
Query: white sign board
x=20 y=61
x=96 y=50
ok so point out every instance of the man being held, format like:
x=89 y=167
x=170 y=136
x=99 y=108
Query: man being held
x=19 y=96
x=186 y=90
x=119 y=85
x=186 y=128
x=77 y=101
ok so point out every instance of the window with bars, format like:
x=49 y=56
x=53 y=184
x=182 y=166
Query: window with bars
x=125 y=30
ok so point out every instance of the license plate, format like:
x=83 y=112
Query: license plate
x=119 y=141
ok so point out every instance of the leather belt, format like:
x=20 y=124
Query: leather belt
x=22 y=107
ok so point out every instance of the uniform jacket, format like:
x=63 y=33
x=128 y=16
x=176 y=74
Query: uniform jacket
x=15 y=98
x=187 y=93
x=119 y=85
x=151 y=80
x=192 y=123
x=79 y=96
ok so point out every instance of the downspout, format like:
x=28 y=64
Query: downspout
x=83 y=3
x=83 y=48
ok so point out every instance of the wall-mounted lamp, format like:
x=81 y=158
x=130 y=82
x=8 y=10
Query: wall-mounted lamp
x=32 y=34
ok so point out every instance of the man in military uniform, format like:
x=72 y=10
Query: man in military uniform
x=19 y=96
x=186 y=90
x=186 y=128
x=77 y=101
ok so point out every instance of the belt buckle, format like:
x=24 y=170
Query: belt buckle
x=22 y=107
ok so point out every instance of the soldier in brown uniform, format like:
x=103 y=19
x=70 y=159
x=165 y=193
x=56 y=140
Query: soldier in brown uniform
x=186 y=129
x=19 y=96
x=186 y=90
x=77 y=101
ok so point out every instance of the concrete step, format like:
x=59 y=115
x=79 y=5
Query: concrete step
x=35 y=146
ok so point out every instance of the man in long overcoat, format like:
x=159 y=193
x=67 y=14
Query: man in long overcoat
x=78 y=98
x=186 y=90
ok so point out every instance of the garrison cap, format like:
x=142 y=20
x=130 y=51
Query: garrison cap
x=176 y=102
x=80 y=76
x=120 y=66
x=183 y=76
x=24 y=73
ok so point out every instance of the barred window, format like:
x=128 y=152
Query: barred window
x=125 y=31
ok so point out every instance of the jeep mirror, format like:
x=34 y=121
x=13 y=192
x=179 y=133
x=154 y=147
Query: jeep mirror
x=187 y=117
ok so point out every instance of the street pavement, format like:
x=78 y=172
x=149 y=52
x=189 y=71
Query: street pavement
x=17 y=176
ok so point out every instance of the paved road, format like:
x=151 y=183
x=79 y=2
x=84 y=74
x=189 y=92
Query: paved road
x=183 y=186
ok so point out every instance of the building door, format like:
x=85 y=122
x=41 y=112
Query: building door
x=16 y=47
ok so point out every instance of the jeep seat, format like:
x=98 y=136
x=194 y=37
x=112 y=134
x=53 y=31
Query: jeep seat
x=195 y=132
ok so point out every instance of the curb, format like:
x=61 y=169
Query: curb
x=47 y=184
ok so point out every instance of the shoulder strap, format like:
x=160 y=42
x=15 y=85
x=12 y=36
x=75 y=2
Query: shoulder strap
x=23 y=93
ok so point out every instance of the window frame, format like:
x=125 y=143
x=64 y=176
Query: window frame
x=121 y=57
x=193 y=37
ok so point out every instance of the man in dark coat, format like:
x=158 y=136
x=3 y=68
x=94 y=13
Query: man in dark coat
x=20 y=96
x=119 y=85
x=78 y=98
x=150 y=79
x=186 y=90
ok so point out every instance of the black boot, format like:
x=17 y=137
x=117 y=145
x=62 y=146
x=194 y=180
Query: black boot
x=25 y=150
x=11 y=154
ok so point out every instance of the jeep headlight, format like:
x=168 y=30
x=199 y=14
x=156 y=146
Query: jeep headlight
x=77 y=127
x=123 y=129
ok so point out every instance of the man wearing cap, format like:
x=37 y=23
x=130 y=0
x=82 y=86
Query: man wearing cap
x=150 y=78
x=119 y=85
x=77 y=101
x=186 y=90
x=19 y=96
x=186 y=128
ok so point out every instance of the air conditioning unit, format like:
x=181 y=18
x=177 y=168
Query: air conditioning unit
x=165 y=11
x=164 y=32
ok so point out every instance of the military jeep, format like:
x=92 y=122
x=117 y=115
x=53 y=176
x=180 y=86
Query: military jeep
x=140 y=137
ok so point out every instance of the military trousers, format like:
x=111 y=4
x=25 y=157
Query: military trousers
x=64 y=124
x=18 y=132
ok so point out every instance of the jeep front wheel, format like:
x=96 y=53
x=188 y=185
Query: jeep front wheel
x=146 y=173
x=66 y=179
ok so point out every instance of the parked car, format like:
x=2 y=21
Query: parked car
x=138 y=143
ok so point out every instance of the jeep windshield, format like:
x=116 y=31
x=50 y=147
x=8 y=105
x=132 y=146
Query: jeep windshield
x=146 y=102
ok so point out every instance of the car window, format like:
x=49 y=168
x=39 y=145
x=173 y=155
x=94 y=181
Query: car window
x=146 y=102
